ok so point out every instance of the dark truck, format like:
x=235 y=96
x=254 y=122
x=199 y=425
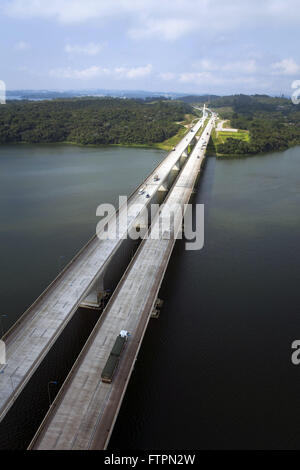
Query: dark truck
x=114 y=358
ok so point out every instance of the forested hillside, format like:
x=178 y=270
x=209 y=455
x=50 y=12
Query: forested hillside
x=274 y=123
x=91 y=121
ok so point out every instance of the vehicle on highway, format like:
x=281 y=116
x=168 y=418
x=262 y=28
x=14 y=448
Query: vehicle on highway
x=156 y=178
x=114 y=358
x=174 y=149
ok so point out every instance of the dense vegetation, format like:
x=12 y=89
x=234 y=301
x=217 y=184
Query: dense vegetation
x=196 y=99
x=91 y=121
x=274 y=123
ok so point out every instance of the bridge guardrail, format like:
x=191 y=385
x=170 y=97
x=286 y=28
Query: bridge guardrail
x=72 y=261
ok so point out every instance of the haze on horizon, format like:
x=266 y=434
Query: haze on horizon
x=183 y=46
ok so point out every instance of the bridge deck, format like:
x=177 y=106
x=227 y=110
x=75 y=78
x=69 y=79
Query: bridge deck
x=29 y=340
x=83 y=415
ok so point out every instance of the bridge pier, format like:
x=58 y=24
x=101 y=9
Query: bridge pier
x=161 y=193
x=183 y=157
x=96 y=296
x=173 y=174
x=185 y=153
x=141 y=225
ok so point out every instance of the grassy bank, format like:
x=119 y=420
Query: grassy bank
x=170 y=143
x=221 y=137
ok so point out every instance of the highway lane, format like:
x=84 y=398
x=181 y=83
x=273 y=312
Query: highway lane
x=29 y=340
x=83 y=415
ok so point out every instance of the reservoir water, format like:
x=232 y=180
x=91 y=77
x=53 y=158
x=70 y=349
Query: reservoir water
x=48 y=200
x=215 y=369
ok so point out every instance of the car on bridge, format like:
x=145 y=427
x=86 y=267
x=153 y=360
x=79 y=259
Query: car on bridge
x=114 y=358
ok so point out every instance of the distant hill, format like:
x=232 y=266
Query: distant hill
x=91 y=121
x=37 y=95
x=273 y=123
x=198 y=98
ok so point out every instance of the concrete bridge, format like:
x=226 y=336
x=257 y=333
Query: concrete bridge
x=83 y=415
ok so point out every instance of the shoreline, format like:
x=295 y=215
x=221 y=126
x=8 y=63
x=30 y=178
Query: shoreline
x=75 y=144
x=155 y=146
x=165 y=146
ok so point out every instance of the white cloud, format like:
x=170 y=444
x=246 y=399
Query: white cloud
x=286 y=67
x=166 y=28
x=231 y=30
x=167 y=76
x=246 y=66
x=90 y=49
x=209 y=72
x=97 y=71
x=211 y=79
x=167 y=19
x=240 y=74
x=22 y=46
x=84 y=74
x=132 y=73
x=196 y=77
x=65 y=11
x=253 y=75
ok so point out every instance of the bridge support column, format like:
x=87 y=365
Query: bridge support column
x=173 y=174
x=185 y=153
x=156 y=308
x=96 y=296
x=140 y=226
x=161 y=193
x=183 y=157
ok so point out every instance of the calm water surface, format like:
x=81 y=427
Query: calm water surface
x=214 y=371
x=48 y=201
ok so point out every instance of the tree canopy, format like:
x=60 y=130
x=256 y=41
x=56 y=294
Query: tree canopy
x=273 y=123
x=91 y=121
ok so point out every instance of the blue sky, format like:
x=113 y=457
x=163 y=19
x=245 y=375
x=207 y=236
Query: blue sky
x=190 y=46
